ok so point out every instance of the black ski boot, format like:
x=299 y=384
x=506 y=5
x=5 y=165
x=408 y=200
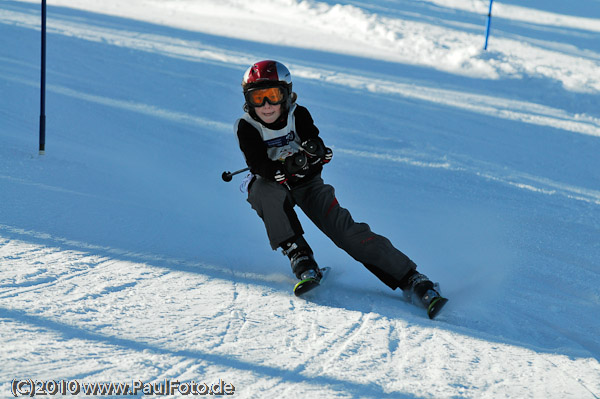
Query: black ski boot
x=303 y=265
x=301 y=256
x=420 y=290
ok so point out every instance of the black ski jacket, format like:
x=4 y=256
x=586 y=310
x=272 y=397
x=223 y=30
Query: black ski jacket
x=255 y=149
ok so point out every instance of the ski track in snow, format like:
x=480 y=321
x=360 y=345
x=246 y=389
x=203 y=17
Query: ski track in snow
x=209 y=327
x=72 y=309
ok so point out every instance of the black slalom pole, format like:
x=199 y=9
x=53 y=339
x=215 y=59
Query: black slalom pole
x=43 y=84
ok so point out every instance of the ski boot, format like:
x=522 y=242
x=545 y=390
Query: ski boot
x=300 y=255
x=421 y=290
x=303 y=265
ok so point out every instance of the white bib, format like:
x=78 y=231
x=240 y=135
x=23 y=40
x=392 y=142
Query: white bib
x=280 y=143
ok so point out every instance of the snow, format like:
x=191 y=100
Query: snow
x=124 y=256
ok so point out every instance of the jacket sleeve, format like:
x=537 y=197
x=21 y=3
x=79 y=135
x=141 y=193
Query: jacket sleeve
x=305 y=126
x=306 y=129
x=255 y=151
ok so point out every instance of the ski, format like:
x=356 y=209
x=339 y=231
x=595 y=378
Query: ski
x=435 y=306
x=432 y=301
x=303 y=286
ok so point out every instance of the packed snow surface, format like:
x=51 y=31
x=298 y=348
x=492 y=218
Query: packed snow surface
x=125 y=258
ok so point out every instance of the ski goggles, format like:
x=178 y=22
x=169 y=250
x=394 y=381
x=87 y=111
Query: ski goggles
x=257 y=97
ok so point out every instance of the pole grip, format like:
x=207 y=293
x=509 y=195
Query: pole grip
x=227 y=176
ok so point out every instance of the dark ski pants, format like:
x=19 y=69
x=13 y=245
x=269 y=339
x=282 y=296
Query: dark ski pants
x=274 y=203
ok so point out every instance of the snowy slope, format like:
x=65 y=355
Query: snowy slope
x=123 y=256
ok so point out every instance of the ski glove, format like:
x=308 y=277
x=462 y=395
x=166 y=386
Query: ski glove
x=280 y=177
x=328 y=155
x=316 y=152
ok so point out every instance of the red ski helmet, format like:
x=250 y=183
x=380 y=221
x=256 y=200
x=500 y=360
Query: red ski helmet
x=268 y=73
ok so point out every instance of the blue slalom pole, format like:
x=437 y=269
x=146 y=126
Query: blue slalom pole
x=43 y=84
x=487 y=30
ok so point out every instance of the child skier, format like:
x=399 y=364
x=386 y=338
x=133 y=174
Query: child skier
x=285 y=155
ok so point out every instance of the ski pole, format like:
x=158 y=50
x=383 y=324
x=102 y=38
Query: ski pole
x=227 y=176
